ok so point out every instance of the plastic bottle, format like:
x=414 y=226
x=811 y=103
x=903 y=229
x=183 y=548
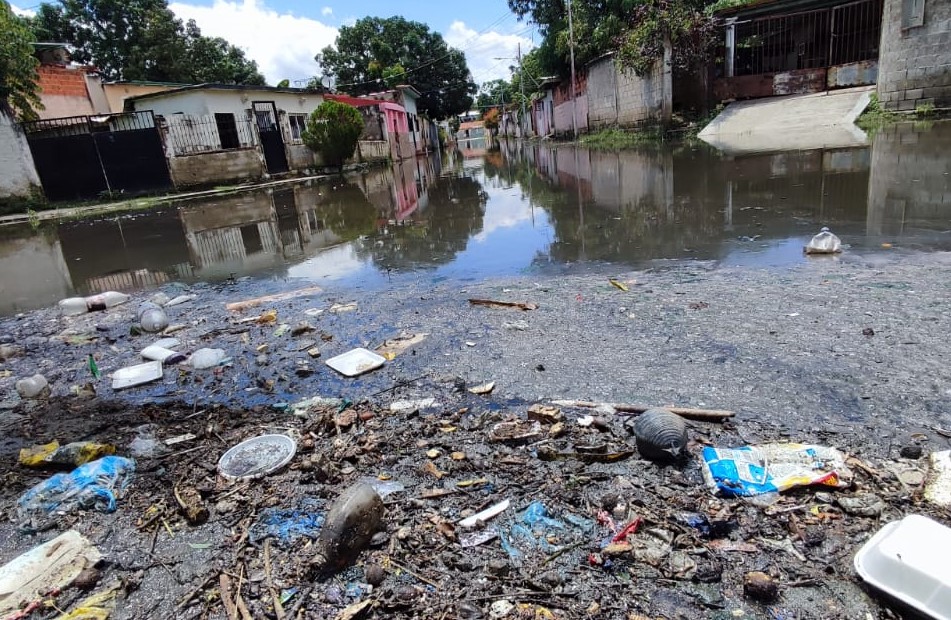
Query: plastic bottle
x=31 y=387
x=206 y=358
x=352 y=521
x=151 y=317
x=82 y=305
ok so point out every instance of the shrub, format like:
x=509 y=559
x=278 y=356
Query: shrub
x=332 y=131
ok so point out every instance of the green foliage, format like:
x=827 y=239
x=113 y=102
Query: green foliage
x=142 y=40
x=18 y=75
x=285 y=83
x=333 y=130
x=491 y=119
x=615 y=139
x=875 y=116
x=376 y=52
x=925 y=110
x=494 y=93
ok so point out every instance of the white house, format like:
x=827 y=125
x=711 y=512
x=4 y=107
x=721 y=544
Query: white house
x=222 y=132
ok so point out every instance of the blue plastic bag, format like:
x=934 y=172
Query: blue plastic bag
x=288 y=524
x=95 y=485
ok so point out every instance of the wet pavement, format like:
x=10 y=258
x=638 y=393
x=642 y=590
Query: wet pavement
x=519 y=209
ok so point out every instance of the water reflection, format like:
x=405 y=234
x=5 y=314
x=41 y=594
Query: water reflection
x=501 y=209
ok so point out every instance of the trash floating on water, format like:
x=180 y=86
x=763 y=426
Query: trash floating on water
x=266 y=299
x=485 y=515
x=44 y=568
x=907 y=559
x=93 y=485
x=257 y=457
x=356 y=362
x=491 y=303
x=824 y=243
x=352 y=520
x=772 y=468
x=72 y=454
x=151 y=317
x=396 y=346
x=207 y=358
x=32 y=387
x=938 y=485
x=139 y=374
x=82 y=305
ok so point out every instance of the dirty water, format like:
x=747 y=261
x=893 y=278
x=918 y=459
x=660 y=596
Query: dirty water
x=509 y=210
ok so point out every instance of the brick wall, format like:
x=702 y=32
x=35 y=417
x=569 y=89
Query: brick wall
x=915 y=63
x=617 y=97
x=62 y=81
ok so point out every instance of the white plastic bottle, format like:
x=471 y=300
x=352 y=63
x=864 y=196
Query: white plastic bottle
x=74 y=306
x=106 y=300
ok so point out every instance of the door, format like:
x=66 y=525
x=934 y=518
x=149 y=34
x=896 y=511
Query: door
x=272 y=142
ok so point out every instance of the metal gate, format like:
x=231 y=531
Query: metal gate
x=81 y=157
x=272 y=141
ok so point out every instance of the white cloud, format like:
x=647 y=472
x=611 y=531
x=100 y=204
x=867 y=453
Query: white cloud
x=483 y=49
x=22 y=12
x=327 y=11
x=283 y=45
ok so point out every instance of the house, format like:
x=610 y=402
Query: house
x=470 y=130
x=384 y=121
x=117 y=92
x=223 y=132
x=65 y=88
x=914 y=65
x=785 y=47
x=422 y=131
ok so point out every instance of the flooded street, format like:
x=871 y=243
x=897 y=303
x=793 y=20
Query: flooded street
x=516 y=209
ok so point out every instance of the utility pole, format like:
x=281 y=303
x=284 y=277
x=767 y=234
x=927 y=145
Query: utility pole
x=521 y=83
x=571 y=46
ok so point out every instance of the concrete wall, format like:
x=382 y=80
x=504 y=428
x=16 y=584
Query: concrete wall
x=64 y=92
x=618 y=97
x=915 y=63
x=215 y=168
x=117 y=92
x=201 y=102
x=18 y=177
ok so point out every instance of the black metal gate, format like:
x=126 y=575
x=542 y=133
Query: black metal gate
x=85 y=156
x=272 y=141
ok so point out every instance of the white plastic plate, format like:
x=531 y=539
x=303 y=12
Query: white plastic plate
x=907 y=559
x=356 y=362
x=131 y=376
x=257 y=457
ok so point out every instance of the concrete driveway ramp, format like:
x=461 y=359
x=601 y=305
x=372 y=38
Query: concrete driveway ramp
x=790 y=123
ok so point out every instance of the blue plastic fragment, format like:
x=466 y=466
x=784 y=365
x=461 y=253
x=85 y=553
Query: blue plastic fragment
x=288 y=524
x=95 y=485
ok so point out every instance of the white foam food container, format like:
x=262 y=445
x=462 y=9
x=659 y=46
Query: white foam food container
x=908 y=560
x=131 y=376
x=356 y=362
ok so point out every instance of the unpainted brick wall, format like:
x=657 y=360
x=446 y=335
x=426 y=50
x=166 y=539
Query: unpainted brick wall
x=915 y=63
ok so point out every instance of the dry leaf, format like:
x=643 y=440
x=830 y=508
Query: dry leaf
x=485 y=388
x=619 y=285
x=519 y=305
x=431 y=469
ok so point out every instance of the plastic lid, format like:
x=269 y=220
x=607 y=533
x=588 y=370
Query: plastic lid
x=257 y=457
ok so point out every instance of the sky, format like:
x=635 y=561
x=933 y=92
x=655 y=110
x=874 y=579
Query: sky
x=283 y=36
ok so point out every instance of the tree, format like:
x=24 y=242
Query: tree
x=18 y=77
x=333 y=130
x=142 y=40
x=491 y=119
x=494 y=93
x=375 y=52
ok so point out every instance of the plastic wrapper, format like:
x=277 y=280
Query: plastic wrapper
x=824 y=243
x=772 y=468
x=95 y=485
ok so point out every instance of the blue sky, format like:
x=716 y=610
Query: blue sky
x=284 y=35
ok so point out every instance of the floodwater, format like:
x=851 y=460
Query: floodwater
x=514 y=208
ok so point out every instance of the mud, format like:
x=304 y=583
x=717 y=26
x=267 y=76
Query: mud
x=848 y=353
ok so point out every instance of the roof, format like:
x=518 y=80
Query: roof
x=145 y=83
x=409 y=88
x=43 y=46
x=357 y=102
x=245 y=87
x=759 y=8
x=471 y=125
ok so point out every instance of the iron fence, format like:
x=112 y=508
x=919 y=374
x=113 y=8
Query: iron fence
x=80 y=125
x=838 y=35
x=187 y=134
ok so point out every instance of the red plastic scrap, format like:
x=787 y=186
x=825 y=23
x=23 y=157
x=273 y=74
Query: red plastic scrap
x=629 y=529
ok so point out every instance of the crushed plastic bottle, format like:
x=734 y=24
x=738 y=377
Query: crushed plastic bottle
x=824 y=243
x=207 y=358
x=351 y=522
x=95 y=485
x=72 y=454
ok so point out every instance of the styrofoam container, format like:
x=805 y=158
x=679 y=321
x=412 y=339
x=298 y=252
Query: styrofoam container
x=356 y=362
x=257 y=457
x=908 y=560
x=131 y=376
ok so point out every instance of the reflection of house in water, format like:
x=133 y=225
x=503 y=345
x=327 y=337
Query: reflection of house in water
x=403 y=189
x=253 y=230
x=41 y=257
x=125 y=253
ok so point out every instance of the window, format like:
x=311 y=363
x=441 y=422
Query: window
x=297 y=122
x=912 y=13
x=227 y=130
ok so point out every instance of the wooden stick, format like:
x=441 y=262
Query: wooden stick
x=278 y=608
x=414 y=574
x=685 y=412
x=224 y=581
x=267 y=299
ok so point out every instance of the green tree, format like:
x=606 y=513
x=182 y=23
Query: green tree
x=18 y=77
x=494 y=93
x=142 y=40
x=333 y=130
x=366 y=55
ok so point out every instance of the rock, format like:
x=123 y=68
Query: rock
x=498 y=567
x=32 y=387
x=87 y=579
x=911 y=451
x=760 y=587
x=862 y=505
